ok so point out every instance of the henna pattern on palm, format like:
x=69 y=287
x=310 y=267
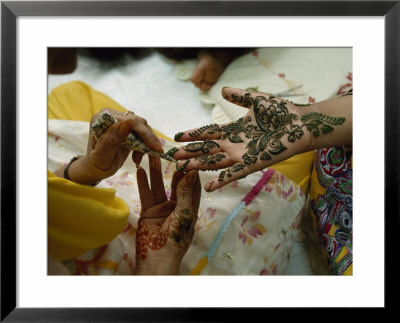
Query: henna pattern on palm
x=273 y=121
x=150 y=237
x=211 y=129
x=203 y=146
x=210 y=159
x=178 y=230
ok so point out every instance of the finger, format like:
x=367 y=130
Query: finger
x=146 y=134
x=205 y=162
x=184 y=194
x=211 y=132
x=174 y=183
x=145 y=194
x=124 y=153
x=195 y=149
x=197 y=75
x=242 y=98
x=204 y=86
x=233 y=173
x=137 y=157
x=109 y=144
x=196 y=194
x=156 y=180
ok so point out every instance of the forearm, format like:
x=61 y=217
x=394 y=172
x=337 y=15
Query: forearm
x=335 y=117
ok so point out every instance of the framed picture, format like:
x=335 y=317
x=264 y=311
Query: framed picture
x=28 y=28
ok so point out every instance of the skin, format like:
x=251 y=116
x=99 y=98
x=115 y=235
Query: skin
x=165 y=227
x=105 y=155
x=273 y=130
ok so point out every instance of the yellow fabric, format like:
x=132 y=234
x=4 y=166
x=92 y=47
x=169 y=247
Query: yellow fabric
x=78 y=101
x=81 y=217
x=200 y=266
x=297 y=168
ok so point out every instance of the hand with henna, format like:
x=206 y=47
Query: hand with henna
x=273 y=130
x=105 y=156
x=166 y=227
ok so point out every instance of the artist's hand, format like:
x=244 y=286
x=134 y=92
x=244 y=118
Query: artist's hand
x=105 y=156
x=270 y=132
x=165 y=227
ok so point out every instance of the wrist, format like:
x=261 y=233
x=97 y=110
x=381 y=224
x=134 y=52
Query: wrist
x=78 y=171
x=306 y=142
x=162 y=266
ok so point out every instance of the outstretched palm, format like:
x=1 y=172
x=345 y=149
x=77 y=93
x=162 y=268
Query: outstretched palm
x=270 y=132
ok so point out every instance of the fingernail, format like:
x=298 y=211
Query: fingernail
x=208 y=187
x=178 y=136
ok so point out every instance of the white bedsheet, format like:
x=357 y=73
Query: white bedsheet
x=149 y=88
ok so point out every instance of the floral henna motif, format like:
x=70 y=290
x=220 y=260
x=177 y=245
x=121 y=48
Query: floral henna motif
x=228 y=172
x=273 y=121
x=210 y=159
x=150 y=237
x=203 y=146
x=178 y=230
x=211 y=128
x=181 y=229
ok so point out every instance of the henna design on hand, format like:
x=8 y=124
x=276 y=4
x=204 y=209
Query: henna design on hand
x=228 y=172
x=273 y=121
x=181 y=168
x=179 y=230
x=171 y=152
x=210 y=159
x=203 y=146
x=178 y=136
x=212 y=128
x=149 y=237
x=182 y=229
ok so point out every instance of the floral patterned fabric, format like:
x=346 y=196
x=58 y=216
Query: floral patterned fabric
x=332 y=206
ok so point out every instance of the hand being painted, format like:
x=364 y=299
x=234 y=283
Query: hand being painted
x=273 y=130
x=165 y=227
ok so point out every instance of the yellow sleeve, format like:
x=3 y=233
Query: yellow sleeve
x=81 y=217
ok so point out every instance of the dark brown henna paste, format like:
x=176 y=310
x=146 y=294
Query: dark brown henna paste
x=273 y=121
x=181 y=168
x=171 y=152
x=211 y=129
x=229 y=171
x=182 y=229
x=210 y=159
x=178 y=136
x=203 y=146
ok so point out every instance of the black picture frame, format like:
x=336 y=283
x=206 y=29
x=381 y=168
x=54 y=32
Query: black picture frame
x=10 y=10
